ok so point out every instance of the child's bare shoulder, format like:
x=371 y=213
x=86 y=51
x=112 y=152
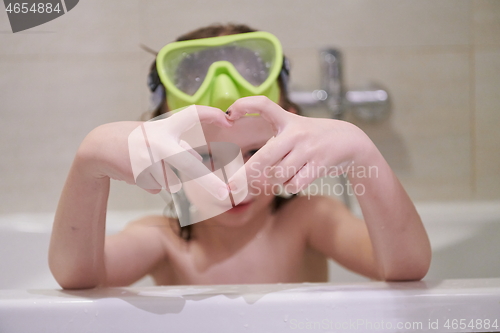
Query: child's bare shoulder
x=149 y=220
x=303 y=210
x=160 y=227
x=152 y=222
x=313 y=206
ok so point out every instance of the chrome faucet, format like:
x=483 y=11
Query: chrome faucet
x=331 y=94
x=370 y=104
x=332 y=83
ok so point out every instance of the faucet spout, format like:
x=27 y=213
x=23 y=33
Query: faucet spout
x=332 y=84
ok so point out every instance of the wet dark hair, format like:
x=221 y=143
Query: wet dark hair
x=216 y=30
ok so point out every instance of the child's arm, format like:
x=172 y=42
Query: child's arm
x=400 y=243
x=77 y=257
x=393 y=245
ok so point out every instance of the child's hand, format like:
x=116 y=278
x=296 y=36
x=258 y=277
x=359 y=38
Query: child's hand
x=302 y=150
x=392 y=243
x=135 y=152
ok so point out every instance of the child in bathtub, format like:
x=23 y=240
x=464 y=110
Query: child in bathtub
x=264 y=238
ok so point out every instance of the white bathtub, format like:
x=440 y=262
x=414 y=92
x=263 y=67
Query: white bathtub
x=428 y=306
x=463 y=236
x=24 y=246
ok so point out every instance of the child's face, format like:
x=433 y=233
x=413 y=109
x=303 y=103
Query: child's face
x=250 y=134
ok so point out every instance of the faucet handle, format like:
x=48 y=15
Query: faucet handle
x=369 y=103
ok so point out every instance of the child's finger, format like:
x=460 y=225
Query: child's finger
x=168 y=180
x=181 y=121
x=163 y=133
x=288 y=167
x=211 y=115
x=147 y=182
x=259 y=165
x=186 y=146
x=303 y=178
x=262 y=105
x=188 y=165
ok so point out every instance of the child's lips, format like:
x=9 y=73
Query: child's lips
x=242 y=206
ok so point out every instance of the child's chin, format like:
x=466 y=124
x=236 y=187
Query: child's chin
x=237 y=216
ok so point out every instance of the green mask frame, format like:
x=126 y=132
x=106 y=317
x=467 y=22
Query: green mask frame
x=217 y=71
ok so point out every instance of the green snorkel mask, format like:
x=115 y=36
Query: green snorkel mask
x=217 y=71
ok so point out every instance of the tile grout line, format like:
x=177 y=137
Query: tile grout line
x=472 y=95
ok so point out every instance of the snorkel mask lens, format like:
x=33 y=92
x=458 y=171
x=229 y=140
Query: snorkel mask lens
x=217 y=71
x=193 y=69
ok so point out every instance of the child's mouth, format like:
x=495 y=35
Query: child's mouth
x=241 y=207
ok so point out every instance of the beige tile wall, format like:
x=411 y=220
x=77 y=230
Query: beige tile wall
x=486 y=113
x=439 y=60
